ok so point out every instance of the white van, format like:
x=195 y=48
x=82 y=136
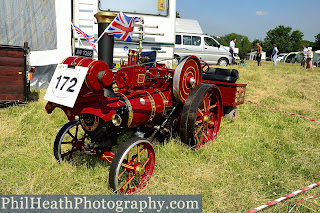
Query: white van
x=204 y=47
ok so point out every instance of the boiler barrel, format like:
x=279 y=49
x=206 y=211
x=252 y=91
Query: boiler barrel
x=145 y=106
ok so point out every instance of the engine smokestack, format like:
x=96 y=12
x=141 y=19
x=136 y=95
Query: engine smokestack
x=106 y=43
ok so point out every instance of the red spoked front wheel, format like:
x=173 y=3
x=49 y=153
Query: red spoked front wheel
x=201 y=115
x=132 y=166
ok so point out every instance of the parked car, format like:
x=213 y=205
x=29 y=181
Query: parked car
x=204 y=47
x=281 y=56
x=316 y=59
x=290 y=57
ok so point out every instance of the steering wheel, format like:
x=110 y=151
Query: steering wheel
x=204 y=66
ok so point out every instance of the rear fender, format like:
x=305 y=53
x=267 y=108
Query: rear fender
x=70 y=112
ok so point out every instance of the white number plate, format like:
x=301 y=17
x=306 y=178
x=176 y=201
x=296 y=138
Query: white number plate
x=65 y=85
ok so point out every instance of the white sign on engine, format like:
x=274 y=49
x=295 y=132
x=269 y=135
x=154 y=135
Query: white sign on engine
x=65 y=85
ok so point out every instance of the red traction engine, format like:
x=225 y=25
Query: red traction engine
x=157 y=101
x=153 y=101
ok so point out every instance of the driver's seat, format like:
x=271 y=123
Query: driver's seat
x=219 y=74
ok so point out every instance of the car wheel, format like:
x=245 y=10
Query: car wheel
x=223 y=62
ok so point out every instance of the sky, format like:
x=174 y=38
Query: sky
x=253 y=18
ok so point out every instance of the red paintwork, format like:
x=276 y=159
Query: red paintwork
x=145 y=93
x=147 y=105
x=146 y=99
x=188 y=69
x=95 y=66
x=107 y=156
x=232 y=93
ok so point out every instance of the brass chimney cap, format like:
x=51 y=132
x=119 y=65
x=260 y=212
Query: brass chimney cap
x=105 y=17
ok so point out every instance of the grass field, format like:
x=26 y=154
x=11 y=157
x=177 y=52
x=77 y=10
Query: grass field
x=259 y=157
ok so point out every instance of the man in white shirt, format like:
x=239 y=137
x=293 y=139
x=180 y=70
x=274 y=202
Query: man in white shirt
x=274 y=54
x=231 y=48
x=304 y=53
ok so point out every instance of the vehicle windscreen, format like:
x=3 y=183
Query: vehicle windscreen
x=210 y=42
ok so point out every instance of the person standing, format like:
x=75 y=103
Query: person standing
x=309 y=58
x=259 y=52
x=231 y=48
x=304 y=53
x=274 y=54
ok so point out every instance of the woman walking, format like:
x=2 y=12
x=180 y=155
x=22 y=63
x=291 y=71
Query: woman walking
x=309 y=58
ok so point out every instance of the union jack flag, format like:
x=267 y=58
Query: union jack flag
x=90 y=39
x=122 y=27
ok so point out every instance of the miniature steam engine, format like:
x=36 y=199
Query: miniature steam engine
x=157 y=101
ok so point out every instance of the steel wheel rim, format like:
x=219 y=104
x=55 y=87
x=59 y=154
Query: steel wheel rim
x=223 y=63
x=188 y=67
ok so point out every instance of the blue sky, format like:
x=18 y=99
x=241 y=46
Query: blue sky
x=253 y=18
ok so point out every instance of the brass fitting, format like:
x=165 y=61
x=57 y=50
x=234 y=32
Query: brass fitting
x=105 y=17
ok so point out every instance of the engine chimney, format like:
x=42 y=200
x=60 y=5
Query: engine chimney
x=106 y=43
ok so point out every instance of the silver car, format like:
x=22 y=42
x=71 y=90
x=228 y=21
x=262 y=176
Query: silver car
x=204 y=47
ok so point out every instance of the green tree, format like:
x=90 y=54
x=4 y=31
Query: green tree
x=279 y=36
x=254 y=43
x=178 y=15
x=296 y=40
x=285 y=40
x=242 y=43
x=307 y=44
x=246 y=47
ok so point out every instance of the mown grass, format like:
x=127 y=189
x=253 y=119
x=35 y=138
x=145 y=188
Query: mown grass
x=259 y=157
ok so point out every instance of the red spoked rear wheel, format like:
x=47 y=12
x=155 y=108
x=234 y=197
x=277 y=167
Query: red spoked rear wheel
x=70 y=141
x=201 y=115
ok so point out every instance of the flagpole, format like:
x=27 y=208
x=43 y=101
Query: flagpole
x=101 y=35
x=79 y=39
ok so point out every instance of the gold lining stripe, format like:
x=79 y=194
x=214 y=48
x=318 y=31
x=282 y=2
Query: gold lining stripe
x=129 y=108
x=153 y=105
x=91 y=63
x=64 y=60
x=80 y=61
x=85 y=79
x=164 y=101
x=72 y=63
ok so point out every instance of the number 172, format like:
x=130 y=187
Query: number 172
x=64 y=80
